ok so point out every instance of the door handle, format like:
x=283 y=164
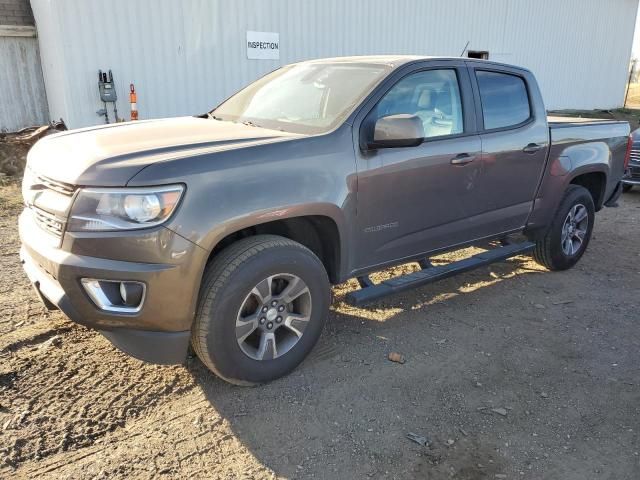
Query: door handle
x=532 y=148
x=462 y=159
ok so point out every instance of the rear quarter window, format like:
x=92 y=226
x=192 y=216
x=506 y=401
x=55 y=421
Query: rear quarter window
x=504 y=98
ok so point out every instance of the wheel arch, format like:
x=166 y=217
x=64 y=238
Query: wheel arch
x=320 y=232
x=595 y=181
x=553 y=187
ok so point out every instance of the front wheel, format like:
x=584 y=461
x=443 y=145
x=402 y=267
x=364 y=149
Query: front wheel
x=570 y=231
x=262 y=307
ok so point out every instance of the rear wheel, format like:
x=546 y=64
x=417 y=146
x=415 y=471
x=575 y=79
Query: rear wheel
x=262 y=307
x=626 y=187
x=570 y=231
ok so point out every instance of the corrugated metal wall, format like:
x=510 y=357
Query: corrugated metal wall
x=22 y=99
x=186 y=56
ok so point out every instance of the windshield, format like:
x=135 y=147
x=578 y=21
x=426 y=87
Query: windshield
x=304 y=98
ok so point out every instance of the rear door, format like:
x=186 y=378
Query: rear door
x=515 y=141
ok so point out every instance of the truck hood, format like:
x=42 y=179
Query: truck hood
x=111 y=155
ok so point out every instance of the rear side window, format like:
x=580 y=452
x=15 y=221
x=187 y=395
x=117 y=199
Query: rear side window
x=505 y=102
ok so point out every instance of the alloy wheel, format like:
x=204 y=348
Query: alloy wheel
x=273 y=317
x=574 y=229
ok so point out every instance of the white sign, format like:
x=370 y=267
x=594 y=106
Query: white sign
x=263 y=46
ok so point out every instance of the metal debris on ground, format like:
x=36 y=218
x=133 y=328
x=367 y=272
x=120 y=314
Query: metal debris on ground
x=54 y=341
x=15 y=145
x=419 y=439
x=31 y=134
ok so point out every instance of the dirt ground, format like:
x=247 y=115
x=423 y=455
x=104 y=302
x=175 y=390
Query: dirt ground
x=633 y=96
x=511 y=372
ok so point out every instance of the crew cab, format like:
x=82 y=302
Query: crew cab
x=227 y=229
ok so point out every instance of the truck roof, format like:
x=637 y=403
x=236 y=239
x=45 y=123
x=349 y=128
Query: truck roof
x=398 y=60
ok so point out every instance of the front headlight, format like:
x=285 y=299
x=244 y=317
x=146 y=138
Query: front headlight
x=102 y=209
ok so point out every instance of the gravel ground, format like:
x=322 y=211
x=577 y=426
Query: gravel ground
x=511 y=372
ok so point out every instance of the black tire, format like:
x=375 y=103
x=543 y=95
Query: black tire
x=626 y=187
x=226 y=284
x=549 y=252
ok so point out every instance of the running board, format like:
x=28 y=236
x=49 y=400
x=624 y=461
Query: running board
x=433 y=274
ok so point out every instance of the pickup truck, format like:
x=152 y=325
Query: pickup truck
x=632 y=177
x=226 y=230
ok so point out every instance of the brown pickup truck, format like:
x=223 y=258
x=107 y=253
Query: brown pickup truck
x=226 y=230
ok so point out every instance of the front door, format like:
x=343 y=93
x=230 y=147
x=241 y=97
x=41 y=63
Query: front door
x=412 y=200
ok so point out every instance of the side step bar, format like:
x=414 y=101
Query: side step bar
x=433 y=274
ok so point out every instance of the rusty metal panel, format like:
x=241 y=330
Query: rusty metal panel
x=22 y=97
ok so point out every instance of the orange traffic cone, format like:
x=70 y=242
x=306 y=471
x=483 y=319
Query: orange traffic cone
x=133 y=99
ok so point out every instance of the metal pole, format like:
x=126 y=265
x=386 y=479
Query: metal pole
x=626 y=95
x=465 y=48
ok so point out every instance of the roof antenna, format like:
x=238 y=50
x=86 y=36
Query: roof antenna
x=465 y=48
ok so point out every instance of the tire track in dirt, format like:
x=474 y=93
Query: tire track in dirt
x=18 y=309
x=63 y=396
x=35 y=339
x=82 y=401
x=196 y=441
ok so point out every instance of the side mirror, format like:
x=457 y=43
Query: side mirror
x=395 y=131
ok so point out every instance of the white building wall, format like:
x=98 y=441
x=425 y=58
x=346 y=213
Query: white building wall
x=186 y=56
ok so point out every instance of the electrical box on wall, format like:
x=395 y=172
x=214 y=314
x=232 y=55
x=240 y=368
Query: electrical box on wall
x=106 y=87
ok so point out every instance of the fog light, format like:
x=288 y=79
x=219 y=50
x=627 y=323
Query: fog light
x=131 y=293
x=114 y=295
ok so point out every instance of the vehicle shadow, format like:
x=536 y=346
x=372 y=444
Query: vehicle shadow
x=341 y=413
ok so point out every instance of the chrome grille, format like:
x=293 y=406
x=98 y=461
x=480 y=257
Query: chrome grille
x=59 y=187
x=48 y=222
x=48 y=200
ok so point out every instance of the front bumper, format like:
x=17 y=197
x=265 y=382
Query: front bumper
x=632 y=176
x=169 y=265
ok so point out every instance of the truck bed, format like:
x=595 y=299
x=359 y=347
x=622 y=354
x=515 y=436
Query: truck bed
x=557 y=121
x=579 y=130
x=586 y=142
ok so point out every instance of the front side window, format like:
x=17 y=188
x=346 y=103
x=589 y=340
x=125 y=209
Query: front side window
x=504 y=98
x=433 y=96
x=303 y=98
